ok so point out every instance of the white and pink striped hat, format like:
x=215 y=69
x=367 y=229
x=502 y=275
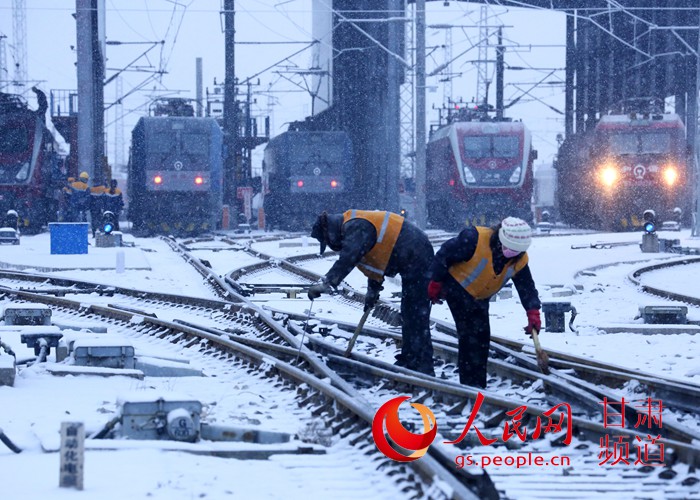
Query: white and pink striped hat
x=515 y=234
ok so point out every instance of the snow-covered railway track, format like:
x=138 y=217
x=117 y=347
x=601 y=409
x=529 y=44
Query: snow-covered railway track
x=688 y=452
x=450 y=402
x=577 y=372
x=320 y=393
x=636 y=278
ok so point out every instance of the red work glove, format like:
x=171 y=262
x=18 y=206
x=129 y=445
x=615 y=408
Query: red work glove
x=435 y=292
x=533 y=321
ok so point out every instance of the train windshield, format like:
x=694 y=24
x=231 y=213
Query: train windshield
x=15 y=143
x=641 y=143
x=497 y=146
x=13 y=139
x=190 y=145
x=195 y=144
x=11 y=173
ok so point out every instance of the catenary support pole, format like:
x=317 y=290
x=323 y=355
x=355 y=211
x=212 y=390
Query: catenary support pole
x=420 y=115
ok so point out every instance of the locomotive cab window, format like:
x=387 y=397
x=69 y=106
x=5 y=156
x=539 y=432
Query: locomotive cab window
x=646 y=142
x=655 y=143
x=162 y=143
x=499 y=146
x=506 y=146
x=12 y=173
x=195 y=144
x=14 y=139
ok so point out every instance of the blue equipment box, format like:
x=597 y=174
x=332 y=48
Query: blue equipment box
x=69 y=237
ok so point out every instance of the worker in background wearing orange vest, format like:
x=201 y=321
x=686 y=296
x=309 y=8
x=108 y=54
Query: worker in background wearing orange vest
x=64 y=201
x=79 y=200
x=383 y=244
x=97 y=206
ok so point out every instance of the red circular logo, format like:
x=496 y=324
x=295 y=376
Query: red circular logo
x=388 y=416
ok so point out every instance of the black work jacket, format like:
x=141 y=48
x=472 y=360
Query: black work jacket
x=462 y=247
x=411 y=256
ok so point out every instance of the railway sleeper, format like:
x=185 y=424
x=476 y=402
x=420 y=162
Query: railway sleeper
x=363 y=435
x=346 y=425
x=322 y=410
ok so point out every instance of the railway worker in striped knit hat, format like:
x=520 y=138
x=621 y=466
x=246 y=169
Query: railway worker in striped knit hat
x=383 y=244
x=467 y=271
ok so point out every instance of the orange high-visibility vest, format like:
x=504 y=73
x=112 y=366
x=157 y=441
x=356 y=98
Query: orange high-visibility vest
x=477 y=275
x=388 y=226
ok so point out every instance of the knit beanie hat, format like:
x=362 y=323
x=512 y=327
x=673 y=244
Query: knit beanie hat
x=515 y=234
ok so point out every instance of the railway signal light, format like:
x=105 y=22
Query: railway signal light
x=649 y=221
x=109 y=222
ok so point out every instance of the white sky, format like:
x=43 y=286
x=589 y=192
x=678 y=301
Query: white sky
x=33 y=409
x=538 y=35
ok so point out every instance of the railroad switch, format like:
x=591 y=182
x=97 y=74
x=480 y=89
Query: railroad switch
x=104 y=354
x=172 y=418
x=664 y=315
x=292 y=292
x=554 y=316
x=27 y=314
x=179 y=419
x=42 y=341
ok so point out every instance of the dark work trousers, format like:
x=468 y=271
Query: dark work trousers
x=471 y=319
x=417 y=348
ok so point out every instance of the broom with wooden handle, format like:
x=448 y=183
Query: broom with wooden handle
x=542 y=358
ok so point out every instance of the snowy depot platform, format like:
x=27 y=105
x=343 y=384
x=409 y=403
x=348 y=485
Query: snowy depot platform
x=38 y=257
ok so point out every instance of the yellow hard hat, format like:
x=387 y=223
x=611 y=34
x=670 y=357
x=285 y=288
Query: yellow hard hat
x=84 y=175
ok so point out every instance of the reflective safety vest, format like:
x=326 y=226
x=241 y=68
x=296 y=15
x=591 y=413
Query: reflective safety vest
x=477 y=275
x=80 y=195
x=388 y=226
x=96 y=198
x=114 y=201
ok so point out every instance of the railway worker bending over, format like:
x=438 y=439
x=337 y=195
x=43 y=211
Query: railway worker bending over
x=467 y=271
x=383 y=244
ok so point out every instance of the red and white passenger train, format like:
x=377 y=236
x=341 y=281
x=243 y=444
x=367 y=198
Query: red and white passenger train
x=29 y=163
x=479 y=172
x=632 y=163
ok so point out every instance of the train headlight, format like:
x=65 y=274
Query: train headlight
x=158 y=179
x=515 y=176
x=300 y=184
x=199 y=180
x=609 y=175
x=334 y=184
x=670 y=175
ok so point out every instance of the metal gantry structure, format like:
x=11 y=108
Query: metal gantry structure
x=616 y=50
x=19 y=35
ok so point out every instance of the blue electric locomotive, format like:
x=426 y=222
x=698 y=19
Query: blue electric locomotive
x=304 y=173
x=175 y=175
